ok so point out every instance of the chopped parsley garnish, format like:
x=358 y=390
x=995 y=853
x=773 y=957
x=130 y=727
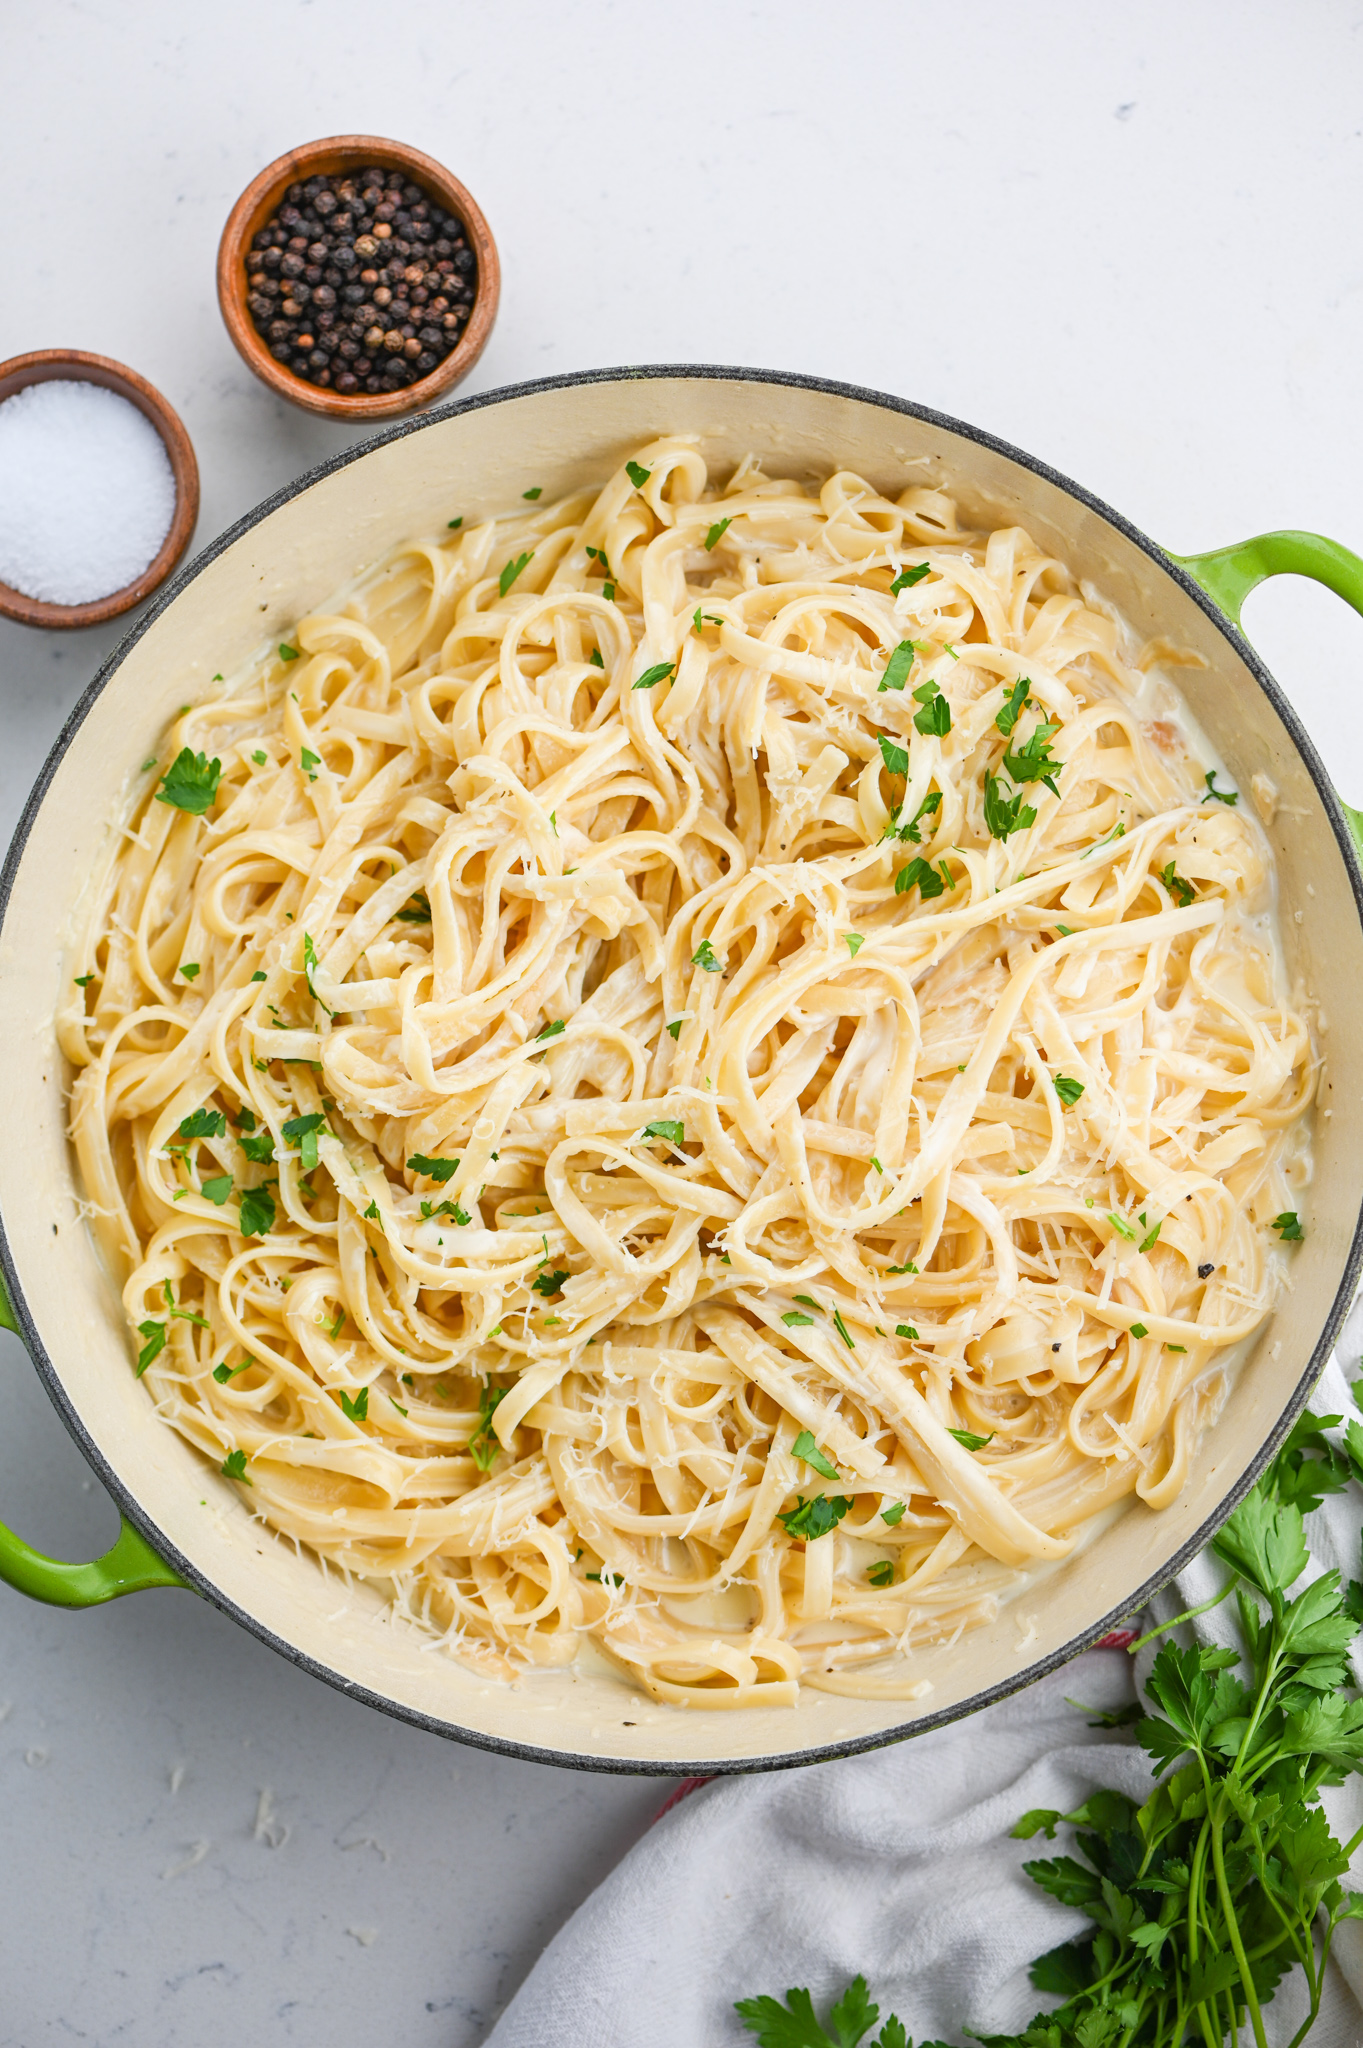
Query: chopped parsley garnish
x=288 y=653
x=876 y=1163
x=705 y=957
x=258 y=1146
x=1014 y=704
x=906 y=1330
x=310 y=966
x=234 y=1467
x=1005 y=815
x=659 y=673
x=1139 y=1330
x=817 y=1517
x=358 y=1409
x=717 y=533
x=1288 y=1227
x=897 y=667
x=434 y=1169
x=397 y=1404
x=371 y=1214
x=906 y=578
x=968 y=1440
x=674 y=1133
x=1033 y=761
x=674 y=1028
x=840 y=1326
x=882 y=1573
x=931 y=804
x=190 y=783
x=1182 y=891
x=334 y=1329
x=808 y=1452
x=797 y=1320
x=894 y=1516
x=1222 y=796
x=259 y=975
x=1151 y=1236
x=908 y=1265
x=483 y=1445
x=809 y=1302
x=218 y=1189
x=855 y=942
x=934 y=718
x=1120 y=1224
x=1068 y=1090
x=595 y=658
x=155 y=1334
x=455 y=524
x=189 y=969
x=257 y=1212
x=637 y=474
x=301 y=1133
x=417 y=909
x=225 y=1372
x=704 y=618
x=150 y=762
x=533 y=494
x=549 y=1284
x=895 y=757
x=554 y=1030
x=260 y=757
x=920 y=874
x=512 y=571
x=202 y=1123
x=599 y=555
x=83 y=980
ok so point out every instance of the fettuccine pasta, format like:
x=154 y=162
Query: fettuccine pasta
x=702 y=1069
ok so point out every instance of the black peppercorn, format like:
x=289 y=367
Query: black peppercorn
x=360 y=282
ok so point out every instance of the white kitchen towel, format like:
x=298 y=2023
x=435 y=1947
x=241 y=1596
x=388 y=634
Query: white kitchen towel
x=898 y=1866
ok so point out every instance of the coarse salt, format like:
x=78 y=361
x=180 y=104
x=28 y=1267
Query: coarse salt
x=87 y=493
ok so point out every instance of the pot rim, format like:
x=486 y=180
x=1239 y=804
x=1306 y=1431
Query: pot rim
x=620 y=1766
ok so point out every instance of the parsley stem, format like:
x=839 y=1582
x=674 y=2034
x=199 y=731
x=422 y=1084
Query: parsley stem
x=1191 y=1615
x=1233 y=1928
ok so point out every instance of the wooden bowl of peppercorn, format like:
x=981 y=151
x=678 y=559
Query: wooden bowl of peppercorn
x=358 y=277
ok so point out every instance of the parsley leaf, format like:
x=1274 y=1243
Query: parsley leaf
x=674 y=1028
x=189 y=969
x=224 y=1373
x=921 y=875
x=1033 y=761
x=549 y=1284
x=190 y=783
x=797 y=1320
x=218 y=1189
x=659 y=673
x=881 y=1573
x=1288 y=1227
x=706 y=958
x=1005 y=815
x=906 y=578
x=257 y=1212
x=840 y=1326
x=895 y=757
x=309 y=763
x=512 y=571
x=554 y=1030
x=1221 y=796
x=258 y=1146
x=483 y=1445
x=906 y=1329
x=234 y=1467
x=595 y=658
x=637 y=474
x=717 y=533
x=674 y=1133
x=287 y=653
x=310 y=966
x=855 y=942
x=416 y=910
x=897 y=669
x=1183 y=892
x=1014 y=704
x=968 y=1440
x=894 y=1515
x=535 y=493
x=434 y=1169
x=808 y=1452
x=155 y=1334
x=814 y=1518
x=358 y=1409
x=301 y=1133
x=1068 y=1090
x=202 y=1123
x=931 y=804
x=934 y=718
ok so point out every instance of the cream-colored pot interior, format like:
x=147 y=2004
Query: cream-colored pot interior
x=476 y=460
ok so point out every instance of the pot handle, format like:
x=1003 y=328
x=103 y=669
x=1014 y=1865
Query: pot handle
x=1229 y=574
x=129 y=1567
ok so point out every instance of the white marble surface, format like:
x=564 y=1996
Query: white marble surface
x=1126 y=239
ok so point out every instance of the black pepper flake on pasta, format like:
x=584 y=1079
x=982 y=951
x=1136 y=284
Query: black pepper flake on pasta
x=313 y=282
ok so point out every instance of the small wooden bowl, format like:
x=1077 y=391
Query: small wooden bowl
x=263 y=197
x=73 y=365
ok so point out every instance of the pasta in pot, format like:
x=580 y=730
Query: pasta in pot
x=697 y=1068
